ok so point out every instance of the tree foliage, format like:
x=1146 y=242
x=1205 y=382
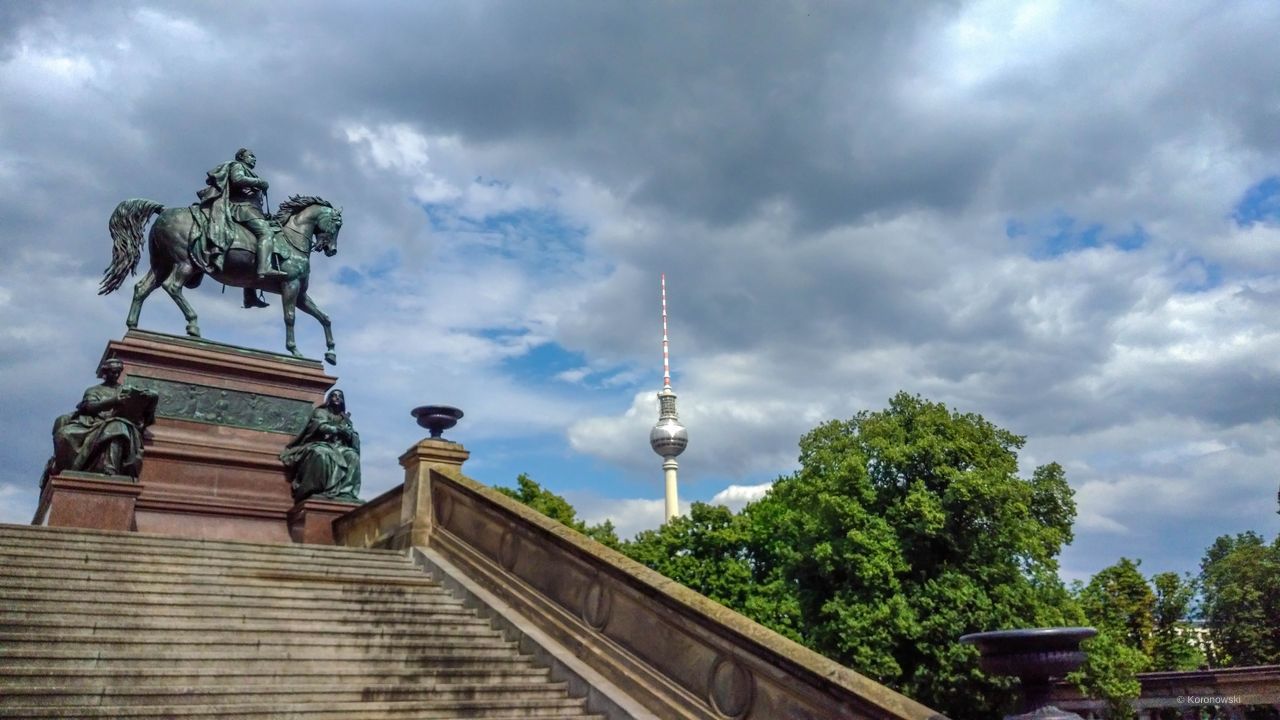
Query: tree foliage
x=1240 y=599
x=1142 y=626
x=704 y=550
x=529 y=492
x=1110 y=672
x=1119 y=602
x=902 y=530
x=1172 y=646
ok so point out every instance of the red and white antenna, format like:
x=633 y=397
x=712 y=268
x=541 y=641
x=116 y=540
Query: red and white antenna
x=666 y=360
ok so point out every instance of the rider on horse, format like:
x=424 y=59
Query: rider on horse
x=234 y=193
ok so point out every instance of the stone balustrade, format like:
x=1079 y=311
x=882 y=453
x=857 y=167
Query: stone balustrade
x=644 y=645
x=1224 y=694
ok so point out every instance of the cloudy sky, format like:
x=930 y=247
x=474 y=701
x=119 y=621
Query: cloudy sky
x=1064 y=216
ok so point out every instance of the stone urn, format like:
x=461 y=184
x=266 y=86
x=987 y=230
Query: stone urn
x=1037 y=657
x=437 y=418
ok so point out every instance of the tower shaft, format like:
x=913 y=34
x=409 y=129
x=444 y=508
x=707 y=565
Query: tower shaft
x=672 y=505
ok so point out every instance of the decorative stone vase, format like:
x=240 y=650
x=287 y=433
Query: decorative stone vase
x=437 y=418
x=1036 y=657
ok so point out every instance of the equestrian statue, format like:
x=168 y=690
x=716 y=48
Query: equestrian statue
x=227 y=236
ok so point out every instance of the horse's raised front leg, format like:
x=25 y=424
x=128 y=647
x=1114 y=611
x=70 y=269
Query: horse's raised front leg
x=173 y=285
x=289 y=298
x=141 y=290
x=308 y=306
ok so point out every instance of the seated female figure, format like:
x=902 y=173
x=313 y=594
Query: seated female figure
x=324 y=459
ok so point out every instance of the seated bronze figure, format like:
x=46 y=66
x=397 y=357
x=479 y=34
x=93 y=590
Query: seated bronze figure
x=324 y=459
x=104 y=433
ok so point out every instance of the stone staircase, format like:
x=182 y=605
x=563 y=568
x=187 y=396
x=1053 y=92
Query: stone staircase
x=122 y=625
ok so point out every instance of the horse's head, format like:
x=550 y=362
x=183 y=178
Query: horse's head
x=328 y=224
x=312 y=217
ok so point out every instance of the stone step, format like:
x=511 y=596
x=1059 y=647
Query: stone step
x=417 y=623
x=494 y=709
x=168 y=675
x=11 y=535
x=178 y=556
x=222 y=577
x=135 y=543
x=317 y=644
x=123 y=625
x=124 y=570
x=264 y=591
x=58 y=599
x=99 y=615
x=276 y=631
x=274 y=660
x=330 y=692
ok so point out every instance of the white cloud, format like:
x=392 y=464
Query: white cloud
x=17 y=503
x=633 y=515
x=736 y=497
x=573 y=375
x=629 y=516
x=817 y=261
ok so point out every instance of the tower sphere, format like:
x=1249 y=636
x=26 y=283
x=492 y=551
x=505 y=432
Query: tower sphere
x=668 y=439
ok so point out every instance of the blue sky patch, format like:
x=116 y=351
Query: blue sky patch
x=1062 y=234
x=380 y=268
x=440 y=215
x=1261 y=203
x=535 y=222
x=538 y=237
x=545 y=361
x=349 y=277
x=541 y=365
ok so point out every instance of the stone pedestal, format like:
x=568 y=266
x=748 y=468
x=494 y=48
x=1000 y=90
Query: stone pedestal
x=211 y=466
x=85 y=500
x=311 y=521
x=416 y=511
x=405 y=515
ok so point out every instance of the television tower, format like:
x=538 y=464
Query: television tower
x=668 y=438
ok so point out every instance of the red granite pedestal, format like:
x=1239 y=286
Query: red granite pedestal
x=211 y=466
x=86 y=500
x=311 y=521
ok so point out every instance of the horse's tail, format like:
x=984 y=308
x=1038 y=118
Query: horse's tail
x=126 y=225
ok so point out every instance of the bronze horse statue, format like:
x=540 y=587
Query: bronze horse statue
x=306 y=224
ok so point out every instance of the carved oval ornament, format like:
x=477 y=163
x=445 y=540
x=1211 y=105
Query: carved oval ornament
x=508 y=549
x=596 y=603
x=731 y=689
x=443 y=506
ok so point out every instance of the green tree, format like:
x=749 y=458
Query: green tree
x=709 y=551
x=1118 y=600
x=1240 y=599
x=910 y=527
x=1121 y=605
x=1172 y=646
x=902 y=530
x=529 y=492
x=1110 y=673
x=704 y=551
